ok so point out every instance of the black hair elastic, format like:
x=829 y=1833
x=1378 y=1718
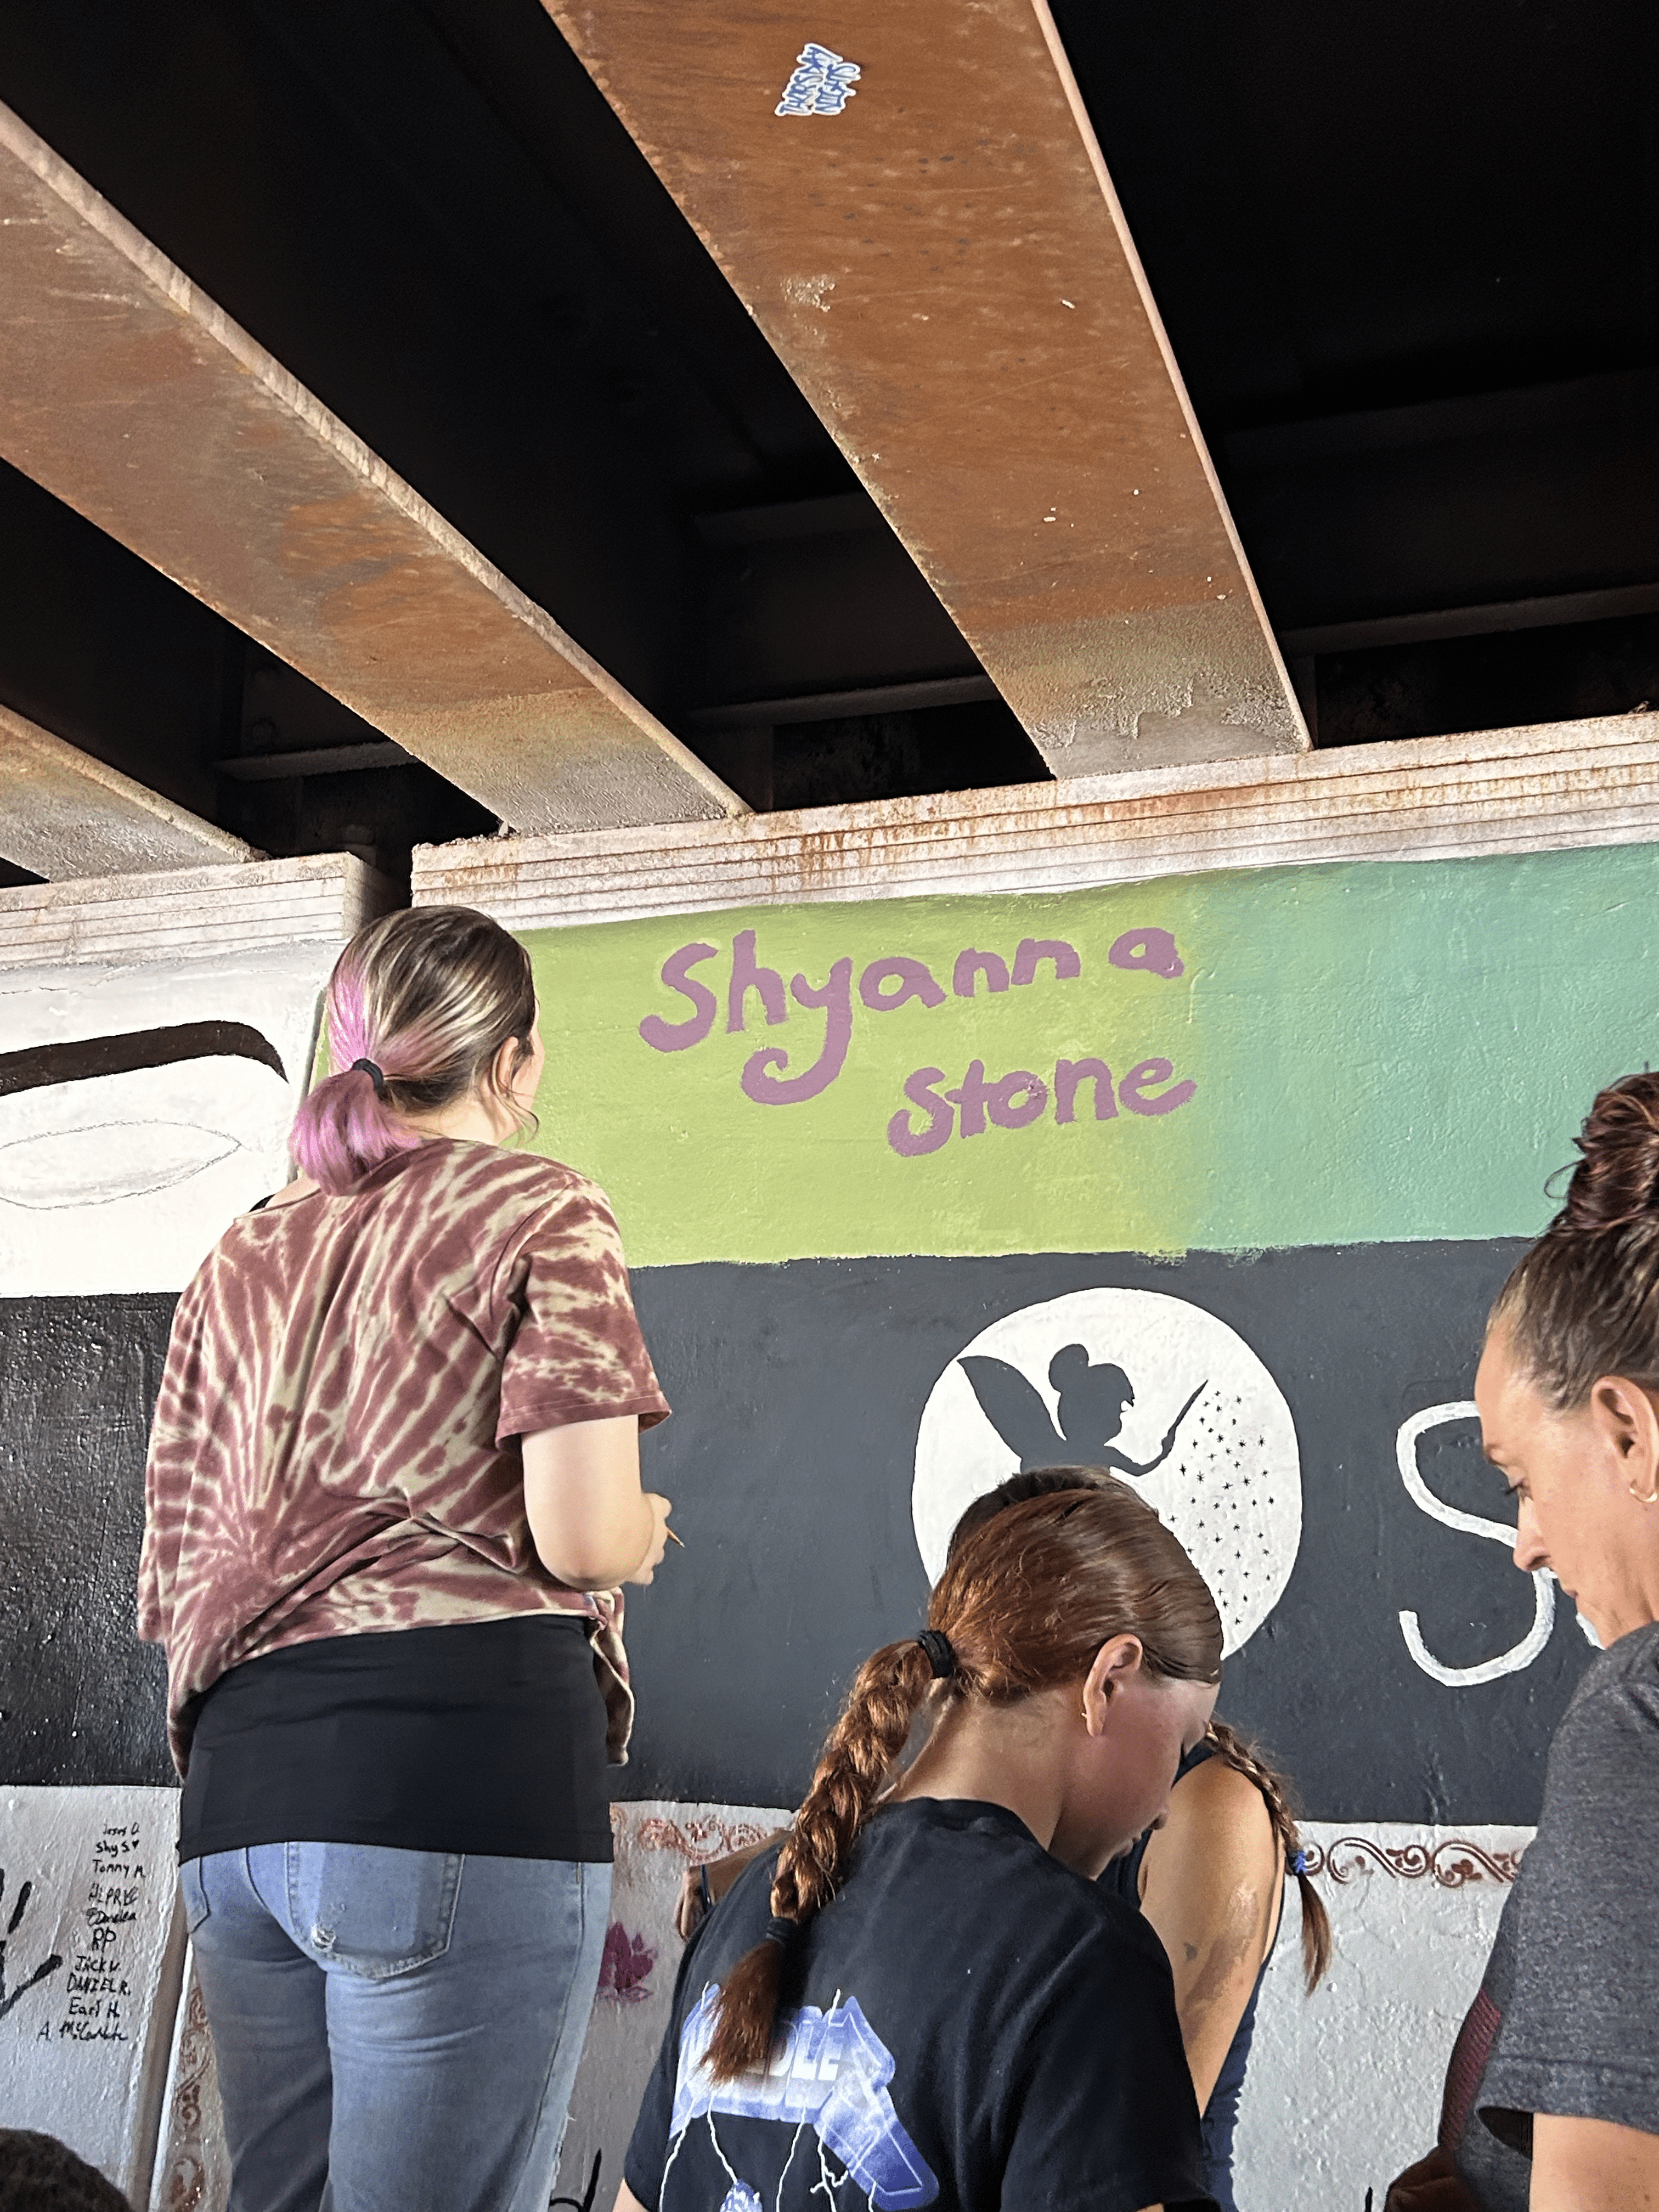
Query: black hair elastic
x=373 y=1074
x=941 y=1657
x=780 y=1931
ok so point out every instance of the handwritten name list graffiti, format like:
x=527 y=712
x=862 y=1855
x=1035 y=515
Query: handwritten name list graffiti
x=98 y=1989
x=978 y=1101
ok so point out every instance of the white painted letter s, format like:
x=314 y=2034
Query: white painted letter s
x=1519 y=1656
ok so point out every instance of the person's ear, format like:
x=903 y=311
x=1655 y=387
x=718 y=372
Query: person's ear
x=1628 y=1423
x=1118 y=1663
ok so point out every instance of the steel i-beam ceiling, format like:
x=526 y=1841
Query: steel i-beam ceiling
x=939 y=258
x=136 y=400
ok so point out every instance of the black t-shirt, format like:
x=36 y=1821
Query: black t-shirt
x=970 y=2024
x=484 y=1737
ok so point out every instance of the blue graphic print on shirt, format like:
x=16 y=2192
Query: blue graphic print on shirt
x=830 y=2071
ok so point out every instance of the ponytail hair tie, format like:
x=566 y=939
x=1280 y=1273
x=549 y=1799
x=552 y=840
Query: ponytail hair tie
x=941 y=1657
x=780 y=1931
x=373 y=1074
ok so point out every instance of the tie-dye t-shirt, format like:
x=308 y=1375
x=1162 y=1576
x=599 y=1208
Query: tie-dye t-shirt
x=335 y=1451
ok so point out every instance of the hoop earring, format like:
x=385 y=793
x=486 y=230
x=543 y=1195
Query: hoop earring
x=1652 y=1497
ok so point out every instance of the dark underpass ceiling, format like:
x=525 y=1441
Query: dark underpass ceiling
x=1406 y=255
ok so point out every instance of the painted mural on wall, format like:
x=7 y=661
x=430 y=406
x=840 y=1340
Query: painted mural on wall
x=140 y=1108
x=1211 y=1181
x=1365 y=1053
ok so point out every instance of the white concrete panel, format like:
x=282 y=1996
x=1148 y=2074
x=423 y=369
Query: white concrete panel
x=1344 y=2086
x=91 y=1948
x=122 y=1182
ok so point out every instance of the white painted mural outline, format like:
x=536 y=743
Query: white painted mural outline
x=121 y=1181
x=1519 y=1656
x=1155 y=1386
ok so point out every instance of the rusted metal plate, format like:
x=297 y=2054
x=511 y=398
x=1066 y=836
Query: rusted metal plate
x=944 y=268
x=133 y=397
x=64 y=814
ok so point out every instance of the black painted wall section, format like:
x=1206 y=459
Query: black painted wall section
x=797 y=1391
x=80 y=1699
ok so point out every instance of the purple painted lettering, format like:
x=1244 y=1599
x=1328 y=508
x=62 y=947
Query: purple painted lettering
x=679 y=1036
x=913 y=978
x=1033 y=949
x=919 y=1090
x=747 y=976
x=1153 y=950
x=972 y=1096
x=767 y=1088
x=1133 y=1092
x=1031 y=1092
x=971 y=965
x=1068 y=1074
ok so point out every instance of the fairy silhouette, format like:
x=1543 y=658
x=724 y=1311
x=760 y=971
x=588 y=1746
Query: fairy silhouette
x=1091 y=1411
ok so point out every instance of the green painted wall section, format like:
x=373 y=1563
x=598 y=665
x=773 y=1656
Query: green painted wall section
x=1380 y=1051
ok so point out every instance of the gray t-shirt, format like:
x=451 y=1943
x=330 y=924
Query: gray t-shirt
x=1569 y=2009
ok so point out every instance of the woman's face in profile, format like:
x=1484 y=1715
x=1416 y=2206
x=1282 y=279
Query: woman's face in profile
x=1574 y=1475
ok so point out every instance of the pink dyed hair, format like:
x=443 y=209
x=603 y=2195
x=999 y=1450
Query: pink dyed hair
x=430 y=996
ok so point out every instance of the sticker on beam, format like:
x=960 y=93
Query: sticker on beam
x=821 y=83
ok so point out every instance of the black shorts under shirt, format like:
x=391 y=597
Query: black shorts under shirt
x=485 y=1736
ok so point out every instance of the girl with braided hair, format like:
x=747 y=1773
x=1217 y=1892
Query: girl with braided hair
x=920 y=1995
x=1210 y=1879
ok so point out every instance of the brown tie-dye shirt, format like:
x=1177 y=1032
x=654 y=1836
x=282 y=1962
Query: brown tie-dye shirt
x=335 y=1448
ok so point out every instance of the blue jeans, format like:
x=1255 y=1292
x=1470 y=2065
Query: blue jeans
x=395 y=2030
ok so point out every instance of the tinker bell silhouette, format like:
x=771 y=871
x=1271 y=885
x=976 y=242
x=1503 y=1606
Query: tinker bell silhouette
x=1092 y=1402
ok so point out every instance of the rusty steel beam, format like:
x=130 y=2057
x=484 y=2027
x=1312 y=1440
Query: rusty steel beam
x=136 y=401
x=63 y=813
x=943 y=265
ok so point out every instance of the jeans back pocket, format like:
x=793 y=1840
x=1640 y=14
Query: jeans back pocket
x=192 y=1895
x=369 y=1910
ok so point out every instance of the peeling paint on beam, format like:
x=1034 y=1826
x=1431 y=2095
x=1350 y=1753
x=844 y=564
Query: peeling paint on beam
x=65 y=814
x=132 y=397
x=1544 y=789
x=945 y=269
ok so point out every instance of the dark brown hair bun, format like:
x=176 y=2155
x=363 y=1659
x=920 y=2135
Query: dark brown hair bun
x=1617 y=1181
x=1584 y=1301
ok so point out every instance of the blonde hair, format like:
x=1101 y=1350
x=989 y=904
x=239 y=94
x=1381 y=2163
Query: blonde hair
x=428 y=997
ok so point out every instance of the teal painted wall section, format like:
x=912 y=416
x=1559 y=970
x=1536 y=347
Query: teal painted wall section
x=1376 y=1051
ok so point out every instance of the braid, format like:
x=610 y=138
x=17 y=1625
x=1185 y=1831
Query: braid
x=1245 y=1759
x=862 y=1750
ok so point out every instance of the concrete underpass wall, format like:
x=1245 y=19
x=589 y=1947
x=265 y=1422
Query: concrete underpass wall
x=903 y=1181
x=156 y=1036
x=1326 y=1103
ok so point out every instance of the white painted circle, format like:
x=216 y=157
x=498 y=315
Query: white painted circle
x=1231 y=1489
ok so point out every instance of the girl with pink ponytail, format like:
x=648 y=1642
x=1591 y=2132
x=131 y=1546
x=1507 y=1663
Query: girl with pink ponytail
x=424 y=1009
x=393 y=1491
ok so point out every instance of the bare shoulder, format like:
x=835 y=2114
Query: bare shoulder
x=1217 y=1790
x=1216 y=1815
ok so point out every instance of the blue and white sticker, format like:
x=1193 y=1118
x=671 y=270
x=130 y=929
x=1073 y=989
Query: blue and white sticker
x=821 y=84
